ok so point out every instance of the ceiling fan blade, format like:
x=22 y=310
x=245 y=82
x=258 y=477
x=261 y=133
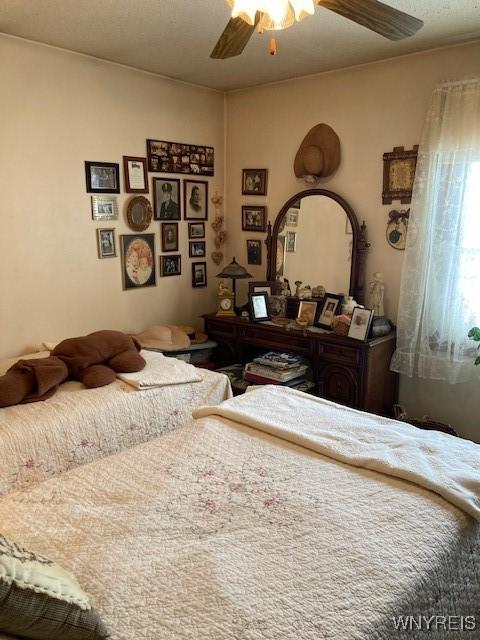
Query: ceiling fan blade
x=234 y=39
x=376 y=16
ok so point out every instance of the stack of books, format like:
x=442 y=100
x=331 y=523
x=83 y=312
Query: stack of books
x=276 y=368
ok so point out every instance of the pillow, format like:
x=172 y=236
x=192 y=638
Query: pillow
x=41 y=601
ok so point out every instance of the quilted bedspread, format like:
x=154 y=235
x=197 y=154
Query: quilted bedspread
x=217 y=531
x=79 y=425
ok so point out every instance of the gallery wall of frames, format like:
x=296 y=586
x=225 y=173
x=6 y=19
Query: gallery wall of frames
x=163 y=206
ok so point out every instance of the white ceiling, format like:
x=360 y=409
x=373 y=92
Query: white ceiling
x=174 y=37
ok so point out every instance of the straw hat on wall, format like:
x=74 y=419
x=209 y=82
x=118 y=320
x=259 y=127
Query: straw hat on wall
x=319 y=153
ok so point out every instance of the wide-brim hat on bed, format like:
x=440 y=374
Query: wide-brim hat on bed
x=319 y=153
x=164 y=338
x=196 y=337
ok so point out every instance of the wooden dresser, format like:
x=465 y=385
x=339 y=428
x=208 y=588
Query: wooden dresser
x=347 y=371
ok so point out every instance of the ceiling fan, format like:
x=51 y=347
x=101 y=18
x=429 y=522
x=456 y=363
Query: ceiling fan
x=247 y=15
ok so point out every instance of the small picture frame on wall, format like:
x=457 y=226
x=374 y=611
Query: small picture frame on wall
x=360 y=324
x=102 y=177
x=135 y=174
x=197 y=249
x=195 y=196
x=328 y=310
x=104 y=208
x=196 y=230
x=254 y=182
x=254 y=218
x=170 y=265
x=169 y=233
x=166 y=199
x=254 y=252
x=199 y=274
x=138 y=260
x=399 y=168
x=106 y=243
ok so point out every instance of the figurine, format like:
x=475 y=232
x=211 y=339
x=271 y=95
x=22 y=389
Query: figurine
x=305 y=292
x=223 y=290
x=298 y=284
x=319 y=291
x=377 y=292
x=284 y=288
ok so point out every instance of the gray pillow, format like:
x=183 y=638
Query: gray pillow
x=41 y=601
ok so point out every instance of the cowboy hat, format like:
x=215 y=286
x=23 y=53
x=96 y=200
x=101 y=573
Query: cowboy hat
x=164 y=338
x=319 y=153
x=195 y=336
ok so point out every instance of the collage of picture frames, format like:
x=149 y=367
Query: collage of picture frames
x=254 y=218
x=138 y=259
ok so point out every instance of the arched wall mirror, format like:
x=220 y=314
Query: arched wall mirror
x=317 y=239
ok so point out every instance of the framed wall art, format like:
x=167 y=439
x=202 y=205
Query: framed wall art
x=291 y=219
x=254 y=182
x=166 y=199
x=170 y=265
x=104 y=208
x=106 y=243
x=328 y=310
x=102 y=177
x=399 y=174
x=169 y=233
x=139 y=213
x=195 y=200
x=196 y=230
x=138 y=260
x=291 y=242
x=177 y=157
x=199 y=274
x=254 y=252
x=197 y=249
x=254 y=218
x=135 y=174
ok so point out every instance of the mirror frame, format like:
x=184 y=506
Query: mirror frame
x=359 y=245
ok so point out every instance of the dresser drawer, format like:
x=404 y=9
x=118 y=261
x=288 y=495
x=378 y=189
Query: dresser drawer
x=339 y=353
x=220 y=329
x=275 y=341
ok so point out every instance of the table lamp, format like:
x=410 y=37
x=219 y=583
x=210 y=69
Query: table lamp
x=235 y=272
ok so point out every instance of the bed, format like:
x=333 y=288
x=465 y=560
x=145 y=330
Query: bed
x=222 y=529
x=78 y=425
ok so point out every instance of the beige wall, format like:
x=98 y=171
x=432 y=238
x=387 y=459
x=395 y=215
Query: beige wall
x=372 y=108
x=57 y=110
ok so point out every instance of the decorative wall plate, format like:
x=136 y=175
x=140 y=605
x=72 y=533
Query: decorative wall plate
x=139 y=213
x=397 y=228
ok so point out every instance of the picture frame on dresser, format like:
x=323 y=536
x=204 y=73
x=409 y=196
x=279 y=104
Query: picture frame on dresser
x=330 y=308
x=258 y=307
x=361 y=323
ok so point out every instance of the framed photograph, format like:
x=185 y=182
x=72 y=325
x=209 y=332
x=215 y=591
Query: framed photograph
x=104 y=208
x=166 y=199
x=291 y=219
x=102 y=177
x=169 y=233
x=195 y=200
x=139 y=213
x=135 y=174
x=196 y=230
x=254 y=218
x=199 y=274
x=170 y=265
x=106 y=243
x=254 y=182
x=361 y=322
x=177 y=157
x=264 y=286
x=291 y=242
x=330 y=308
x=258 y=307
x=197 y=249
x=399 y=168
x=254 y=251
x=307 y=311
x=138 y=261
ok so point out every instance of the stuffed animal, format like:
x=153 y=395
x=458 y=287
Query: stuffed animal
x=94 y=360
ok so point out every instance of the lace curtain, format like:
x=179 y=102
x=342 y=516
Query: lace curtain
x=440 y=289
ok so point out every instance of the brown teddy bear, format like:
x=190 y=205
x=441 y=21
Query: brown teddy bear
x=94 y=360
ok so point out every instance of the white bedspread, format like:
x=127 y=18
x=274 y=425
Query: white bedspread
x=79 y=425
x=217 y=531
x=161 y=371
x=439 y=462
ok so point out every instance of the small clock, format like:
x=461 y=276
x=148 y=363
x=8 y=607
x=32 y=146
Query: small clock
x=225 y=305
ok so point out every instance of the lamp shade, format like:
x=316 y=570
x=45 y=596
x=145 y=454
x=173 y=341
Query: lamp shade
x=235 y=271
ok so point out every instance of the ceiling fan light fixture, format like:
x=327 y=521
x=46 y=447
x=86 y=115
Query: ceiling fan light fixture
x=276 y=14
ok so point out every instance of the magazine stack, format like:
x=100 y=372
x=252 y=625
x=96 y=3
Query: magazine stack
x=286 y=369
